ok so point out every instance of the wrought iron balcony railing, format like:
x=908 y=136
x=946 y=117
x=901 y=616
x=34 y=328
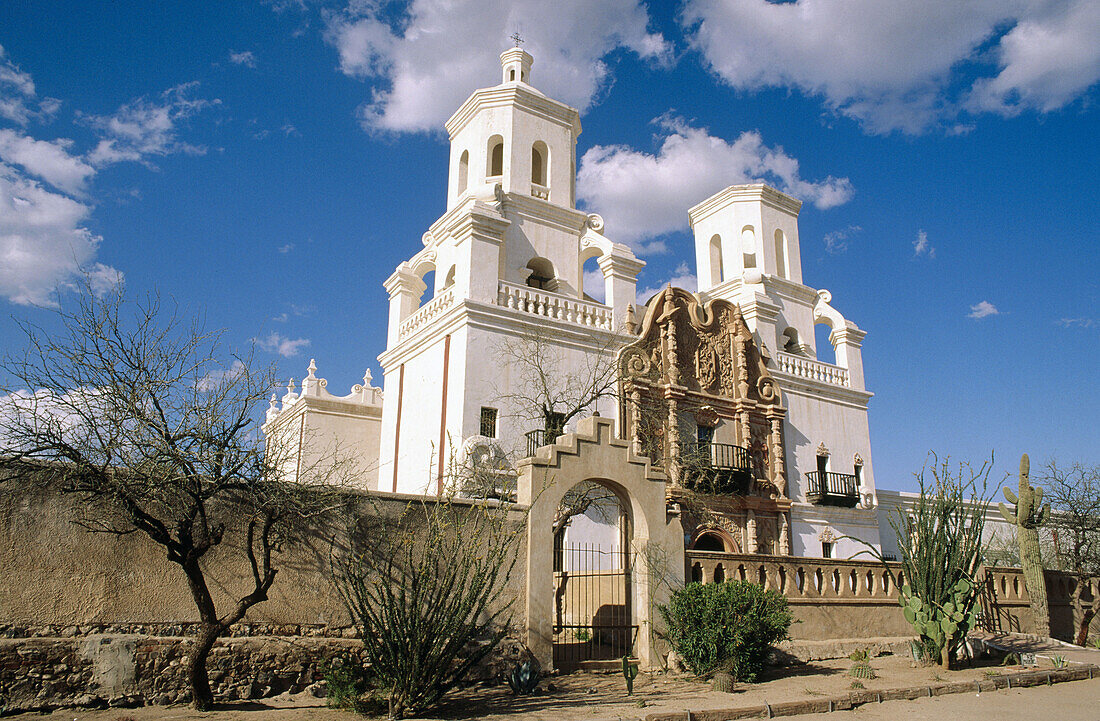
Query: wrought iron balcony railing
x=718 y=468
x=540 y=437
x=832 y=489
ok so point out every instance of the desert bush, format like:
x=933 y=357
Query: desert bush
x=428 y=594
x=730 y=624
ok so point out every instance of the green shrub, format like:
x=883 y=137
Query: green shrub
x=344 y=682
x=730 y=623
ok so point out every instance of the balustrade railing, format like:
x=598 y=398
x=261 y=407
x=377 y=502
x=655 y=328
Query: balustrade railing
x=800 y=578
x=811 y=369
x=551 y=305
x=427 y=312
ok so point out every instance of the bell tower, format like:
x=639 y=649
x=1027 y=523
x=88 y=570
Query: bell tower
x=505 y=261
x=513 y=136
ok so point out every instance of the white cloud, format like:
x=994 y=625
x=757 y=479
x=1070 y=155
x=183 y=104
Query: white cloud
x=1046 y=61
x=48 y=160
x=284 y=249
x=893 y=65
x=921 y=246
x=216 y=377
x=145 y=127
x=244 y=57
x=836 y=242
x=428 y=59
x=43 y=241
x=643 y=196
x=19 y=100
x=984 y=309
x=1079 y=322
x=278 y=343
x=682 y=277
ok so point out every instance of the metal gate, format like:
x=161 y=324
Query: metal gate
x=592 y=605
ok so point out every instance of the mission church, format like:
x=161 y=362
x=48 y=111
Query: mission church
x=762 y=446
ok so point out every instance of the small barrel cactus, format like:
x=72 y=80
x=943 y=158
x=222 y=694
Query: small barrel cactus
x=722 y=681
x=861 y=669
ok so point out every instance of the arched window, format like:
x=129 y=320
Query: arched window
x=748 y=246
x=463 y=171
x=512 y=75
x=823 y=339
x=780 y=254
x=709 y=542
x=538 y=163
x=542 y=274
x=592 y=280
x=495 y=167
x=717 y=273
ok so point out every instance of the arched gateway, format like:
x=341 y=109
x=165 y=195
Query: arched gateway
x=652 y=550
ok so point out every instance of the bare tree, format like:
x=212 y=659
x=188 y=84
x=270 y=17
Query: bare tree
x=551 y=388
x=1074 y=494
x=128 y=408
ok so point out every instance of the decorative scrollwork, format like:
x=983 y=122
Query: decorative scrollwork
x=427 y=239
x=595 y=222
x=637 y=364
x=707 y=416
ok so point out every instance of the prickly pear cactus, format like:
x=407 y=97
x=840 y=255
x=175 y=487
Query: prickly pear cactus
x=941 y=627
x=1030 y=513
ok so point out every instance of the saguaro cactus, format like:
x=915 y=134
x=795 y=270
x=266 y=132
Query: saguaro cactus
x=1029 y=514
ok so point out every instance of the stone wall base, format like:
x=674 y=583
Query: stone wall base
x=41 y=673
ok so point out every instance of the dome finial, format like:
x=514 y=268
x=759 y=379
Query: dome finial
x=517 y=39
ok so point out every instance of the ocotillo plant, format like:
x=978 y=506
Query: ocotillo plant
x=1030 y=513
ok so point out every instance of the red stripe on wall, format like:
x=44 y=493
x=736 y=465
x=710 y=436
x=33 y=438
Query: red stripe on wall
x=443 y=415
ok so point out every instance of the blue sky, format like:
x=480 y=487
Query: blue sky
x=270 y=163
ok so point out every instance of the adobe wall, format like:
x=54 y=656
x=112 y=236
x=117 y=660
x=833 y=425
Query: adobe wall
x=56 y=574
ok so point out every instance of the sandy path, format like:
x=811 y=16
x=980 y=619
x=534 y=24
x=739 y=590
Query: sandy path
x=584 y=697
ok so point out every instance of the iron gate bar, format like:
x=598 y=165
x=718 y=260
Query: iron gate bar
x=592 y=605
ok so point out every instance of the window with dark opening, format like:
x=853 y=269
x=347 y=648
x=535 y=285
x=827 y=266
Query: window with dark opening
x=826 y=549
x=555 y=425
x=489 y=422
x=496 y=156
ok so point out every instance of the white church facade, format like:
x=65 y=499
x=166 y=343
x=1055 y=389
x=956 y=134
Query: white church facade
x=775 y=439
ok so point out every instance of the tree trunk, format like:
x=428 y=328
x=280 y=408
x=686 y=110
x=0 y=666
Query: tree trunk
x=1083 y=629
x=202 y=698
x=1080 y=611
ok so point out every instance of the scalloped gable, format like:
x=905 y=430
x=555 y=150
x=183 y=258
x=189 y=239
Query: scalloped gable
x=591 y=431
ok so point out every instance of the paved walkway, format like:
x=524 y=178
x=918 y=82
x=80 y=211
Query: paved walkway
x=1042 y=648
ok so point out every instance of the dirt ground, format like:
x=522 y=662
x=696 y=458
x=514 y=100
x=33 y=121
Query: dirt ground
x=588 y=696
